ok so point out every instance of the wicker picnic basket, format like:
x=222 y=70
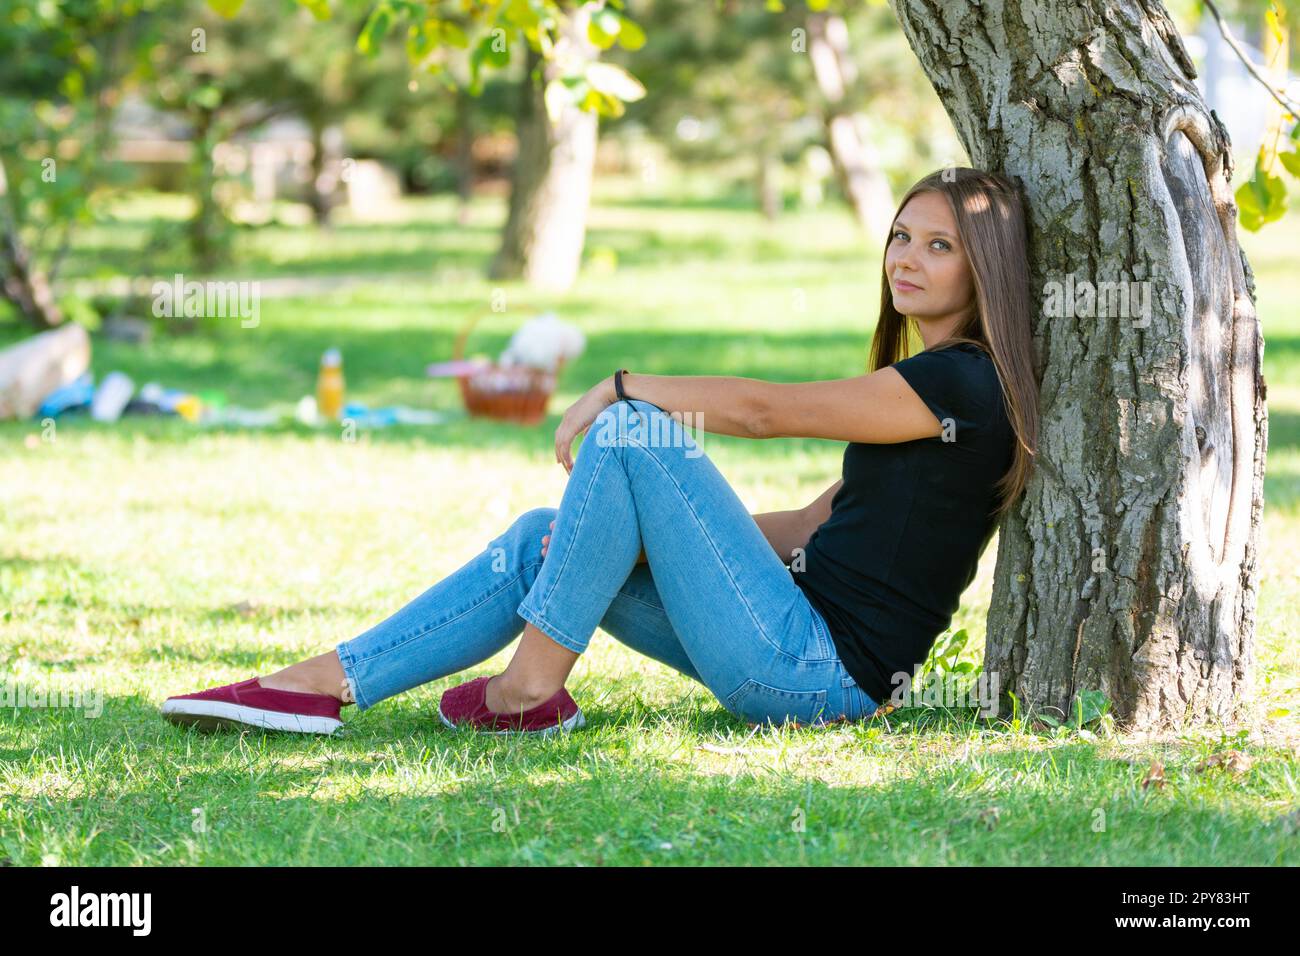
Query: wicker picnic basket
x=516 y=393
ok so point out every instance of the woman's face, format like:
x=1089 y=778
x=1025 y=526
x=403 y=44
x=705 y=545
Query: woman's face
x=925 y=262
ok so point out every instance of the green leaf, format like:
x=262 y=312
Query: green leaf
x=498 y=54
x=632 y=37
x=1248 y=208
x=1290 y=162
x=225 y=8
x=615 y=82
x=521 y=13
x=599 y=37
x=1261 y=199
x=475 y=64
x=604 y=104
x=73 y=85
x=206 y=97
x=454 y=36
x=486 y=52
x=607 y=21
x=320 y=9
x=376 y=27
x=421 y=40
x=1091 y=705
x=1272 y=20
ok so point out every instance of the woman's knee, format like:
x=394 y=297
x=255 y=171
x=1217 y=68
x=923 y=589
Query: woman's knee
x=635 y=421
x=530 y=527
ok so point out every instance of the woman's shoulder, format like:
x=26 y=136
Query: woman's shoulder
x=970 y=348
x=965 y=360
x=959 y=350
x=973 y=365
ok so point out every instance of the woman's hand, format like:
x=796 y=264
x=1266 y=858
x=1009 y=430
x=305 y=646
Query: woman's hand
x=578 y=418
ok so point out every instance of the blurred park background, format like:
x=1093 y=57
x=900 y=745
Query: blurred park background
x=734 y=227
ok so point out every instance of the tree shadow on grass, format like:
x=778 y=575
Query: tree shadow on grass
x=427 y=795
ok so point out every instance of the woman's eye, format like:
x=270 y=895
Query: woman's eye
x=898 y=233
x=942 y=244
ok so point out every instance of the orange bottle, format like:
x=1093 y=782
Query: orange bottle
x=329 y=385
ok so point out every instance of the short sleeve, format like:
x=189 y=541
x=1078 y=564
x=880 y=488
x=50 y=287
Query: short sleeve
x=952 y=382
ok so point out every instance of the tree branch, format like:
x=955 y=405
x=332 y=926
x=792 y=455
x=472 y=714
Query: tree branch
x=1281 y=97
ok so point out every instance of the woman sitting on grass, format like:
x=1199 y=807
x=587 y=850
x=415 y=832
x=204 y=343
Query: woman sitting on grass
x=811 y=615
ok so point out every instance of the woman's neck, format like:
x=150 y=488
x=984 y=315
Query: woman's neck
x=934 y=331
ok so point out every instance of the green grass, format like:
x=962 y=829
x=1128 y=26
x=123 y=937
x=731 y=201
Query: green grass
x=126 y=551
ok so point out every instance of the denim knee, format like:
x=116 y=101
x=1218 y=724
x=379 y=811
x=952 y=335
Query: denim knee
x=521 y=544
x=626 y=421
x=535 y=522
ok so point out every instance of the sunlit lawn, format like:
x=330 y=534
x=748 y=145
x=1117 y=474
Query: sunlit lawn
x=153 y=557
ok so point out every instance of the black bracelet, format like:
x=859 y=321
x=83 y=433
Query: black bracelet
x=618 y=385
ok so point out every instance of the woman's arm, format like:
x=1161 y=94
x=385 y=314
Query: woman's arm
x=714 y=403
x=786 y=530
x=722 y=404
x=878 y=407
x=819 y=509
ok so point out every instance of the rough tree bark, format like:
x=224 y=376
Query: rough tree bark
x=1129 y=566
x=551 y=182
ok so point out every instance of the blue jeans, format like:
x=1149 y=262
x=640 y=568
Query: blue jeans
x=713 y=599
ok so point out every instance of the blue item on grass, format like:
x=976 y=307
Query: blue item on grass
x=75 y=394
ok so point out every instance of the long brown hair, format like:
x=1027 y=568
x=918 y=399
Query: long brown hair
x=991 y=226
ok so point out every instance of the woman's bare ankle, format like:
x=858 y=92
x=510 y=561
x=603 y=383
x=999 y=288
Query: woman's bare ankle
x=317 y=675
x=506 y=696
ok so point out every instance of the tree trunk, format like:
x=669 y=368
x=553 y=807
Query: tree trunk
x=205 y=224
x=464 y=156
x=551 y=181
x=857 y=162
x=320 y=197
x=1129 y=567
x=23 y=283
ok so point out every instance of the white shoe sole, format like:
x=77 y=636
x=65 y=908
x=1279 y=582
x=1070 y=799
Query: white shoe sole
x=220 y=715
x=573 y=723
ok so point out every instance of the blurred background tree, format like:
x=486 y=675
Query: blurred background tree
x=62 y=70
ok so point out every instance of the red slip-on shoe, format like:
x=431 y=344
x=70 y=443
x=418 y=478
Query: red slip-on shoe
x=249 y=704
x=466 y=706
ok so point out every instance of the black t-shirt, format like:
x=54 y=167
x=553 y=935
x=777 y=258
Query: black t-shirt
x=888 y=567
